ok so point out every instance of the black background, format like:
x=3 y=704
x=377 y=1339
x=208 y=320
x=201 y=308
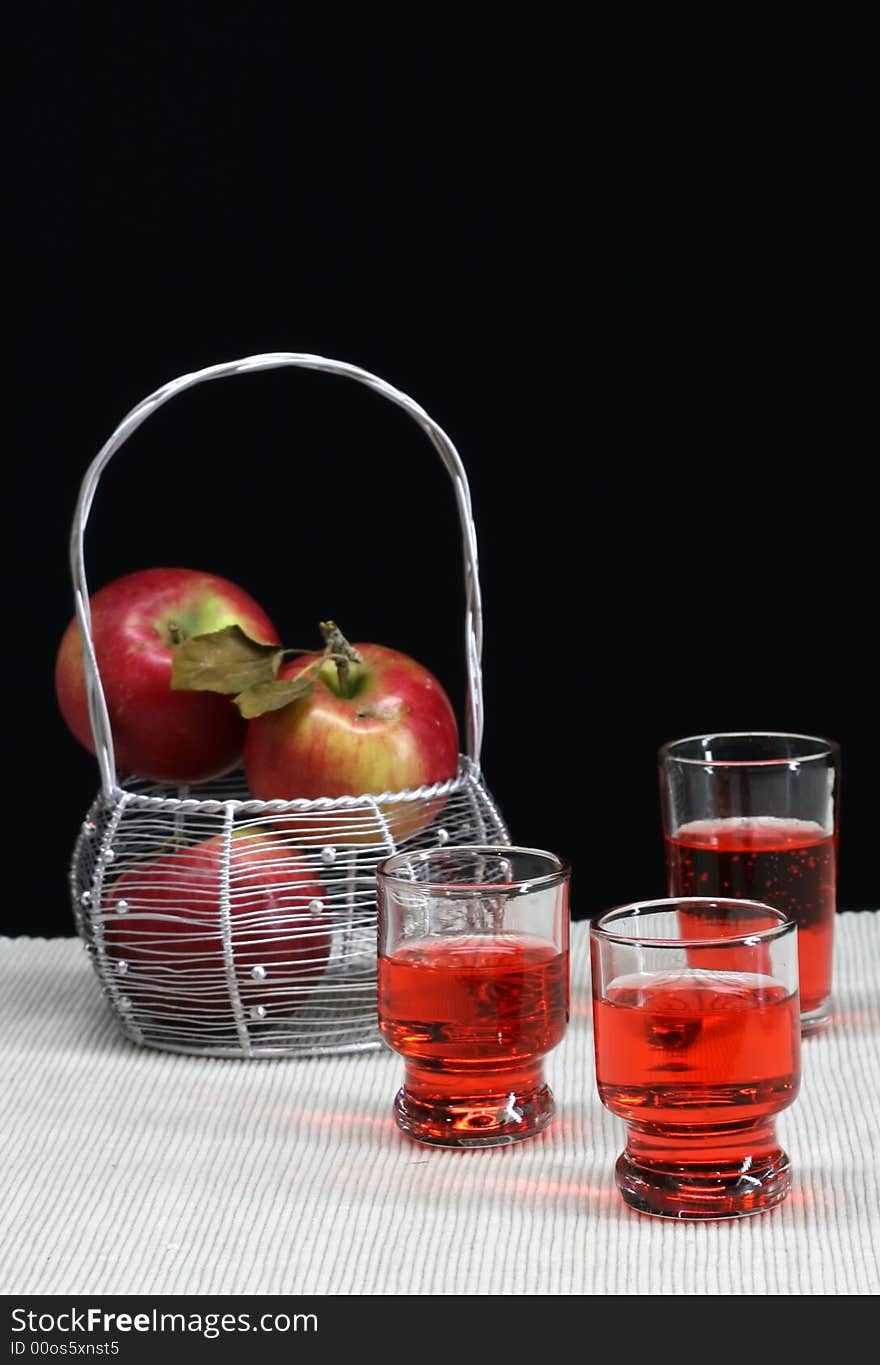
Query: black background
x=640 y=297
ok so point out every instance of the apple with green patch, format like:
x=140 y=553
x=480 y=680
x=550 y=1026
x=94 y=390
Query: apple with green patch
x=139 y=622
x=355 y=719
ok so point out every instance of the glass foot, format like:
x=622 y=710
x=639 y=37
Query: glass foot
x=474 y=1120
x=813 y=1021
x=705 y=1190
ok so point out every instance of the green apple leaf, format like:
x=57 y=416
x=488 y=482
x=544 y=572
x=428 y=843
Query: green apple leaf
x=226 y=660
x=272 y=696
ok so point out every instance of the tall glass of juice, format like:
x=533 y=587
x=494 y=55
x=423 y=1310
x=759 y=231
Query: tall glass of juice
x=755 y=815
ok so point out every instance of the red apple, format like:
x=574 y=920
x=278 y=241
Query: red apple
x=162 y=921
x=386 y=726
x=137 y=621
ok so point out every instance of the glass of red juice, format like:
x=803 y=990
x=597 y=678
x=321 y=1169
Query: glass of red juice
x=697 y=1041
x=473 y=982
x=755 y=815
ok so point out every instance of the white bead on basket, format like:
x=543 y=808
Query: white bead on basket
x=272 y=951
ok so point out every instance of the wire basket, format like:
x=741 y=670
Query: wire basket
x=227 y=926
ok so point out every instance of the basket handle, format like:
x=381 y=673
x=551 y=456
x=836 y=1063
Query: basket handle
x=473 y=633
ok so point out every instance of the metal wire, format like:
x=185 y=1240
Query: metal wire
x=437 y=436
x=226 y=926
x=235 y=927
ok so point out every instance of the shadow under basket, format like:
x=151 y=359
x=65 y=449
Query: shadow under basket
x=228 y=926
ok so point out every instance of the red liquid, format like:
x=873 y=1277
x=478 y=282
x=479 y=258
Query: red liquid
x=698 y=1063
x=791 y=864
x=473 y=1016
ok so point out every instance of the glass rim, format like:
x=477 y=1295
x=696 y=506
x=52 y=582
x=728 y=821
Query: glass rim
x=631 y=910
x=387 y=870
x=826 y=748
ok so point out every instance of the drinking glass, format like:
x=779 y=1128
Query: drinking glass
x=755 y=815
x=697 y=1038
x=473 y=988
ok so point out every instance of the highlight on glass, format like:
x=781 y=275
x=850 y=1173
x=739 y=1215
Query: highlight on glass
x=755 y=815
x=473 y=988
x=697 y=1038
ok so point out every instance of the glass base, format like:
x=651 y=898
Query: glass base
x=813 y=1021
x=474 y=1120
x=703 y=1190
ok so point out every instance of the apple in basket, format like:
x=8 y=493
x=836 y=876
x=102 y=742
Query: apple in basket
x=162 y=920
x=139 y=623
x=353 y=720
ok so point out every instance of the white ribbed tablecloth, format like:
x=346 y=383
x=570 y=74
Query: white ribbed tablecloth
x=132 y=1171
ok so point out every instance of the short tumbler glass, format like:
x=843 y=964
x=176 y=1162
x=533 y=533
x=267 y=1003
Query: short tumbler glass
x=697 y=1037
x=755 y=814
x=473 y=984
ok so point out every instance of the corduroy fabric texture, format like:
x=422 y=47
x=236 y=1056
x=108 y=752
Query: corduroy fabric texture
x=131 y=1171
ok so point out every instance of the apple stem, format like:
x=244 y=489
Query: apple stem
x=337 y=648
x=175 y=632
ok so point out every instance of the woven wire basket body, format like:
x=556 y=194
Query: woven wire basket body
x=223 y=925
